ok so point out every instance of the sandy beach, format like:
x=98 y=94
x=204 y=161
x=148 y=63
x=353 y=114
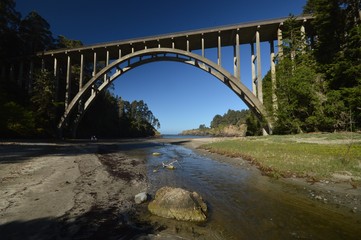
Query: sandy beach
x=66 y=191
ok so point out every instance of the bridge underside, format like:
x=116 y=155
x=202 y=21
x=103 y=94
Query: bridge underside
x=82 y=101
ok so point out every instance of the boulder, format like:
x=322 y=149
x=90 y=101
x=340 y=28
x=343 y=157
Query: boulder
x=179 y=204
x=141 y=198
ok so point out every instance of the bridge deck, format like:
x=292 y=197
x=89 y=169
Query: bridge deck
x=267 y=30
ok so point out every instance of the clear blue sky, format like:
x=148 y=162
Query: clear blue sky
x=180 y=96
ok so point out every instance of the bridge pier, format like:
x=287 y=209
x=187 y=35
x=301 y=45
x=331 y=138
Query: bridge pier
x=68 y=82
x=259 y=70
x=273 y=77
x=237 y=58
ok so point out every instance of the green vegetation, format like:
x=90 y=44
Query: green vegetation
x=315 y=156
x=34 y=108
x=112 y=117
x=318 y=79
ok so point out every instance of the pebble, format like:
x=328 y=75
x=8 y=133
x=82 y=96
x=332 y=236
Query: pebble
x=141 y=198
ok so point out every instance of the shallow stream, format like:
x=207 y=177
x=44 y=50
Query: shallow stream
x=243 y=204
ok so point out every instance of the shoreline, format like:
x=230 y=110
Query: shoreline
x=340 y=196
x=76 y=189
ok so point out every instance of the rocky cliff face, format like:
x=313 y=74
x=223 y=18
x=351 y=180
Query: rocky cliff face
x=226 y=131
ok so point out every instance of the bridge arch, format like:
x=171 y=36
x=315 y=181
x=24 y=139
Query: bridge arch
x=117 y=68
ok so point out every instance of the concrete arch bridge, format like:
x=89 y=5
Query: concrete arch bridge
x=109 y=61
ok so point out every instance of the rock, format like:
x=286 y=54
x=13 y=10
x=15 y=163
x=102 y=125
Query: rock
x=179 y=204
x=141 y=198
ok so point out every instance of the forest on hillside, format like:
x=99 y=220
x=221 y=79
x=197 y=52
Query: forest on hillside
x=33 y=110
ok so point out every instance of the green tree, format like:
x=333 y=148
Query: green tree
x=337 y=25
x=9 y=23
x=35 y=33
x=110 y=116
x=43 y=102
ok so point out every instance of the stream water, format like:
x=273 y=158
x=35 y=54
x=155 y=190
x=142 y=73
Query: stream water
x=242 y=204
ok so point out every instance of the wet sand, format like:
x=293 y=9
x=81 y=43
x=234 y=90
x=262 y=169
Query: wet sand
x=79 y=191
x=68 y=191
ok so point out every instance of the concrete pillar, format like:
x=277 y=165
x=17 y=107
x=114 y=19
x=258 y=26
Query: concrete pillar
x=68 y=82
x=254 y=76
x=81 y=74
x=119 y=57
x=237 y=59
x=202 y=45
x=303 y=37
x=158 y=44
x=55 y=69
x=173 y=44
x=95 y=64
x=106 y=64
x=280 y=42
x=107 y=59
x=187 y=44
x=56 y=78
x=259 y=70
x=219 y=53
x=273 y=77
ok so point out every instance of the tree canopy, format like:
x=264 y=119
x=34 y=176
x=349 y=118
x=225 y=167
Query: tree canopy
x=36 y=113
x=318 y=87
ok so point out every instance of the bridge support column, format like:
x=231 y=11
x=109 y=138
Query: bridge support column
x=219 y=52
x=237 y=59
x=95 y=64
x=81 y=74
x=56 y=78
x=106 y=64
x=303 y=37
x=68 y=82
x=188 y=50
x=280 y=42
x=273 y=77
x=202 y=42
x=259 y=71
x=254 y=76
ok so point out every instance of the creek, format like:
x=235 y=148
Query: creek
x=243 y=204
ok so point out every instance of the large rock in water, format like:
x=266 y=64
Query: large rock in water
x=179 y=204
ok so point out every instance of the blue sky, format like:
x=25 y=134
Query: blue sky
x=180 y=96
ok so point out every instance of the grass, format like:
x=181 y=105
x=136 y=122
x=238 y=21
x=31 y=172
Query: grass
x=315 y=156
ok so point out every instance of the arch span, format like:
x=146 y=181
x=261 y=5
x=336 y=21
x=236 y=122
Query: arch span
x=108 y=74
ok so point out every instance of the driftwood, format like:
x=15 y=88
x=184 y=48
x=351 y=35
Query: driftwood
x=170 y=165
